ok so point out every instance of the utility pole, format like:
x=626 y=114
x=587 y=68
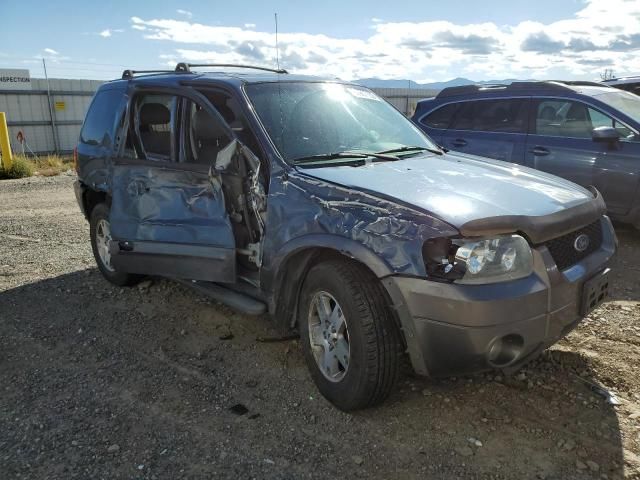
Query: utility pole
x=51 y=114
x=275 y=15
x=607 y=75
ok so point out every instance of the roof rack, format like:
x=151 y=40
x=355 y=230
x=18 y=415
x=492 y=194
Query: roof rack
x=540 y=85
x=463 y=89
x=186 y=67
x=128 y=74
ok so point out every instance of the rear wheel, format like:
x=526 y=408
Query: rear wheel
x=100 y=233
x=351 y=343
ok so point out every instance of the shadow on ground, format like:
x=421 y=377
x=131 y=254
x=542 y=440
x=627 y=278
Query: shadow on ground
x=626 y=265
x=140 y=383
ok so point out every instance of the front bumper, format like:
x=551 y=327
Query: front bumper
x=455 y=329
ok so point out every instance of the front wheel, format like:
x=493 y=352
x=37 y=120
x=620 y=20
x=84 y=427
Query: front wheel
x=100 y=233
x=351 y=343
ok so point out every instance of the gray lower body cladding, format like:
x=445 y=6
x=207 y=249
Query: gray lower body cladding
x=457 y=329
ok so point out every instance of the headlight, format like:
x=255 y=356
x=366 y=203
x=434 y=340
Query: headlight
x=494 y=260
x=488 y=260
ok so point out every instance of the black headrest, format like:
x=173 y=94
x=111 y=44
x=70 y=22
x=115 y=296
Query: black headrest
x=154 y=114
x=206 y=127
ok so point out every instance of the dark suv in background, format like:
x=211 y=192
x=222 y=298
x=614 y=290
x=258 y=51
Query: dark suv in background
x=582 y=131
x=630 y=84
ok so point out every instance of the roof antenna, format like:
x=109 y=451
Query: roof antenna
x=277 y=57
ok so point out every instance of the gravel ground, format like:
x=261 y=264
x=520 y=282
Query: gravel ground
x=156 y=381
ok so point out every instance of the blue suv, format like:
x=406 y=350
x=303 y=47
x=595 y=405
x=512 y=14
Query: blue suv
x=582 y=131
x=317 y=202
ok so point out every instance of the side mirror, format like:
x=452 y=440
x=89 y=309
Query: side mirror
x=605 y=134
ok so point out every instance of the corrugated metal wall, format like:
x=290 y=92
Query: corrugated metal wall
x=404 y=99
x=28 y=111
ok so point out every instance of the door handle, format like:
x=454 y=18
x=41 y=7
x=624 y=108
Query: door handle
x=540 y=151
x=459 y=142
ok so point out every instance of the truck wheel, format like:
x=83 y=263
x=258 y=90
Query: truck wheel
x=351 y=343
x=100 y=233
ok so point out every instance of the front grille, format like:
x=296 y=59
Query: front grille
x=563 y=251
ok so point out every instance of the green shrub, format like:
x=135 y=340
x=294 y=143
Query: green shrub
x=20 y=168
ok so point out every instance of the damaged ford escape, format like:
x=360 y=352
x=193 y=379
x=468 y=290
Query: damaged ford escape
x=317 y=202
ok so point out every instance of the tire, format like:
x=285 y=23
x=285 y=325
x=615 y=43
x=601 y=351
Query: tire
x=97 y=223
x=360 y=324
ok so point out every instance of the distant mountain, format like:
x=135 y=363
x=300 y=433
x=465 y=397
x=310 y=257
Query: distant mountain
x=378 y=83
x=456 y=82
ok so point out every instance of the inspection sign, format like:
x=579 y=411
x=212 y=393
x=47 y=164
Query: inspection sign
x=14 y=79
x=61 y=106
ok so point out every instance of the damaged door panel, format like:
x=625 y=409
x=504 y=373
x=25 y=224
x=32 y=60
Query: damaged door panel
x=168 y=212
x=172 y=222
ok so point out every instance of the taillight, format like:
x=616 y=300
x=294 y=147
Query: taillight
x=75 y=159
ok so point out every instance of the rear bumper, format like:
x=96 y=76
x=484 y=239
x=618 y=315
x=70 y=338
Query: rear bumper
x=456 y=329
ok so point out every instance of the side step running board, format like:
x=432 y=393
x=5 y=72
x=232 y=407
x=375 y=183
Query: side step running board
x=240 y=302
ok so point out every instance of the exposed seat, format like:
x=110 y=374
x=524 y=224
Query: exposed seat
x=210 y=137
x=154 y=129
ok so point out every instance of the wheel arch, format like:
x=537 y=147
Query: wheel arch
x=294 y=263
x=91 y=198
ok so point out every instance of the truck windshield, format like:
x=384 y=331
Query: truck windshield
x=627 y=103
x=313 y=119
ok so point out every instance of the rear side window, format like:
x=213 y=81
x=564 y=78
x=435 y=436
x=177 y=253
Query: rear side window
x=441 y=118
x=500 y=116
x=156 y=125
x=100 y=121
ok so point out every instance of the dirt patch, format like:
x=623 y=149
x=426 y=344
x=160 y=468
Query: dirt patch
x=157 y=382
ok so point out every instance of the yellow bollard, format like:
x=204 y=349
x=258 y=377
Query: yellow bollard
x=5 y=146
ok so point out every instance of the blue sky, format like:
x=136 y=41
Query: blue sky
x=422 y=41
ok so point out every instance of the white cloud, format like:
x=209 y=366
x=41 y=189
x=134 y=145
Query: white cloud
x=50 y=55
x=249 y=25
x=186 y=13
x=603 y=34
x=108 y=32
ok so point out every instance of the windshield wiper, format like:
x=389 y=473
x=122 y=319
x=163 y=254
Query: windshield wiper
x=411 y=148
x=336 y=155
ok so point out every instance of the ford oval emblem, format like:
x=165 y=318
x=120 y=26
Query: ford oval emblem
x=581 y=243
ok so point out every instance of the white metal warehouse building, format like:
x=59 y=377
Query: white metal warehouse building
x=50 y=115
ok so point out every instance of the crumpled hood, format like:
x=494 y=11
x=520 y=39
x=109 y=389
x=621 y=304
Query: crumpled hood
x=460 y=188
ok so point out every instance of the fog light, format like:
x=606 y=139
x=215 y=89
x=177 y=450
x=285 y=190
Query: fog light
x=505 y=350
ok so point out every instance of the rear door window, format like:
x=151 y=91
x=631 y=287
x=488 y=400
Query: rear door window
x=441 y=117
x=500 y=115
x=100 y=122
x=156 y=125
x=508 y=115
x=463 y=119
